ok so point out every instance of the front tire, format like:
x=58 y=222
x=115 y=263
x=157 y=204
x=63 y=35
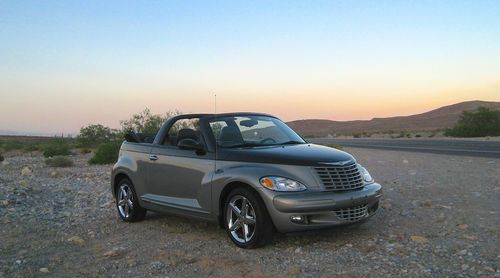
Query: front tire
x=246 y=220
x=127 y=203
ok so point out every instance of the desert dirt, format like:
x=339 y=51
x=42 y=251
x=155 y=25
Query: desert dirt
x=439 y=217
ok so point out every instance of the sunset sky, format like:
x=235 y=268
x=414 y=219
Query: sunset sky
x=66 y=64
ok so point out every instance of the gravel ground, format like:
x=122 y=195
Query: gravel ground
x=439 y=217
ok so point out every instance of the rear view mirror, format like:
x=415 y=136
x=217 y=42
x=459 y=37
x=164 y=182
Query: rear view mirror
x=248 y=123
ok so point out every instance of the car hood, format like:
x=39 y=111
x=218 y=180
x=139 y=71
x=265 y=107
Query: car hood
x=301 y=154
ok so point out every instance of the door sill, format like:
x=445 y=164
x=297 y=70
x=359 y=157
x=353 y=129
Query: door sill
x=174 y=202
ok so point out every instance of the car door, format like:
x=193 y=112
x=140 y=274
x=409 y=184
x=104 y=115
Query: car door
x=179 y=178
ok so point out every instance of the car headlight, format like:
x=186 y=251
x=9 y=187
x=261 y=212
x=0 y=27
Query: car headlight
x=281 y=184
x=366 y=175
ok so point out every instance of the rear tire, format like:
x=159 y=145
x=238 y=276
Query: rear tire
x=127 y=203
x=246 y=219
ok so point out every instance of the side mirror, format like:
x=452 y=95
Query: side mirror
x=190 y=144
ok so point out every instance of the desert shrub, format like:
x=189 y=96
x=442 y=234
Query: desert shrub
x=106 y=153
x=146 y=122
x=93 y=135
x=479 y=123
x=85 y=150
x=1 y=158
x=56 y=148
x=32 y=147
x=403 y=134
x=59 y=161
x=11 y=145
x=356 y=135
x=418 y=135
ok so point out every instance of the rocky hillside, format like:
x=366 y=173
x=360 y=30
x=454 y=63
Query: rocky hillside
x=437 y=119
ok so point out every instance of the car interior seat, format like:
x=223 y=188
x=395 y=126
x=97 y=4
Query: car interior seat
x=187 y=133
x=230 y=135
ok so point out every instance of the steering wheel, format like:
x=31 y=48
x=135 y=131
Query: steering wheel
x=271 y=140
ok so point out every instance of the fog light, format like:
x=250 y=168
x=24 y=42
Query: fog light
x=297 y=219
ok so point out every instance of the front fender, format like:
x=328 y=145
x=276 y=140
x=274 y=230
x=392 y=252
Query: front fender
x=127 y=166
x=230 y=173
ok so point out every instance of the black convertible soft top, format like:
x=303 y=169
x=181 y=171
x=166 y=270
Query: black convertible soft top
x=138 y=137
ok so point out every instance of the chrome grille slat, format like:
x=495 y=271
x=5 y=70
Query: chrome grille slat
x=353 y=213
x=340 y=178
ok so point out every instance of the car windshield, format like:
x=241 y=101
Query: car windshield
x=252 y=131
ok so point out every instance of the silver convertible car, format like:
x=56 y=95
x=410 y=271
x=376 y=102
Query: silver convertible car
x=248 y=172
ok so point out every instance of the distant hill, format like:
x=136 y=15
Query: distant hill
x=437 y=119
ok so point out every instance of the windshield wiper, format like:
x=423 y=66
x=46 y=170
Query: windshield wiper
x=249 y=145
x=244 y=145
x=291 y=143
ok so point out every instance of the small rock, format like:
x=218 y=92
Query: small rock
x=490 y=269
x=463 y=226
x=386 y=205
x=440 y=218
x=4 y=203
x=23 y=182
x=348 y=245
x=131 y=263
x=465 y=267
x=427 y=203
x=111 y=253
x=405 y=213
x=298 y=250
x=54 y=174
x=5 y=163
x=76 y=240
x=470 y=237
x=44 y=270
x=405 y=161
x=419 y=239
x=463 y=252
x=107 y=204
x=156 y=266
x=26 y=171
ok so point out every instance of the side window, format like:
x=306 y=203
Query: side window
x=181 y=129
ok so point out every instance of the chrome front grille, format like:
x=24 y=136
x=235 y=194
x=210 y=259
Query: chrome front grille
x=352 y=214
x=340 y=178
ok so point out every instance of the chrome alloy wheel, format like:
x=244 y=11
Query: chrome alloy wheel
x=241 y=219
x=125 y=200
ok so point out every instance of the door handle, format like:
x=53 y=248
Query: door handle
x=153 y=157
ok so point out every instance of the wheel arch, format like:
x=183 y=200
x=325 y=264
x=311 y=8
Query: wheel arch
x=226 y=191
x=116 y=180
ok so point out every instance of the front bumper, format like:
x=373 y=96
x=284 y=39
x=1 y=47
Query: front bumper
x=323 y=209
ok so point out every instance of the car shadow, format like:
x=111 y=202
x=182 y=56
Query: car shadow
x=338 y=235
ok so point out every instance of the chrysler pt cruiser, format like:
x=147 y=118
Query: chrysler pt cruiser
x=249 y=172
